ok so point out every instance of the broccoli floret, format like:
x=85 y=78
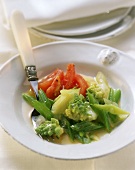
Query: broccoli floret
x=79 y=109
x=50 y=128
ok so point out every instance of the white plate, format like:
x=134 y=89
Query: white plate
x=86 y=25
x=14 y=112
x=94 y=31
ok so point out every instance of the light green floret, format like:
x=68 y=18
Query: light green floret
x=79 y=109
x=50 y=128
x=97 y=92
x=100 y=88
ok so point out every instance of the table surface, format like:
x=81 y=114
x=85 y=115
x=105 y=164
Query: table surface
x=14 y=156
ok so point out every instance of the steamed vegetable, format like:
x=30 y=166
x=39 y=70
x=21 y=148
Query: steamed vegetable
x=80 y=131
x=63 y=100
x=103 y=84
x=80 y=109
x=83 y=131
x=77 y=106
x=44 y=99
x=111 y=109
x=86 y=126
x=100 y=88
x=50 y=128
x=114 y=95
x=39 y=106
x=97 y=92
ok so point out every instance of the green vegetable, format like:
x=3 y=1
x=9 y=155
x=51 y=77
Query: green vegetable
x=66 y=124
x=50 y=128
x=97 y=93
x=63 y=100
x=86 y=126
x=44 y=99
x=110 y=115
x=79 y=109
x=91 y=97
x=39 y=106
x=111 y=108
x=115 y=95
x=98 y=89
x=106 y=101
x=103 y=83
x=29 y=99
x=115 y=120
x=103 y=117
x=84 y=138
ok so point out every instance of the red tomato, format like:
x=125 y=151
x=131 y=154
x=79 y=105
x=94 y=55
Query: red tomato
x=46 y=82
x=69 y=78
x=55 y=81
x=82 y=84
x=54 y=90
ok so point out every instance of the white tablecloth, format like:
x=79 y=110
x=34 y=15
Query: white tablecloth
x=45 y=12
x=14 y=156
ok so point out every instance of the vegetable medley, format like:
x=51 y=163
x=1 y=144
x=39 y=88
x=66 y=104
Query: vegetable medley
x=76 y=105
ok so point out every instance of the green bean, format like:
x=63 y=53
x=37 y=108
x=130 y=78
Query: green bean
x=86 y=126
x=91 y=98
x=115 y=95
x=103 y=117
x=43 y=98
x=40 y=107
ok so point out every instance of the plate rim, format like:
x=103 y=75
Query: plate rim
x=113 y=33
x=60 y=33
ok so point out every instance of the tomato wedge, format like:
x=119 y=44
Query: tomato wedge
x=82 y=84
x=54 y=89
x=69 y=78
x=46 y=82
x=55 y=81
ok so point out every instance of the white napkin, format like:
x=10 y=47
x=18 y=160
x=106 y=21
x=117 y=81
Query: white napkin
x=39 y=12
x=7 y=43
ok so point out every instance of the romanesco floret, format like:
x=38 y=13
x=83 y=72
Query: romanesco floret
x=50 y=128
x=97 y=92
x=100 y=88
x=79 y=109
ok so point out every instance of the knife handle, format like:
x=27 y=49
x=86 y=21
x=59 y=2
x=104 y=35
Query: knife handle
x=31 y=73
x=18 y=25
